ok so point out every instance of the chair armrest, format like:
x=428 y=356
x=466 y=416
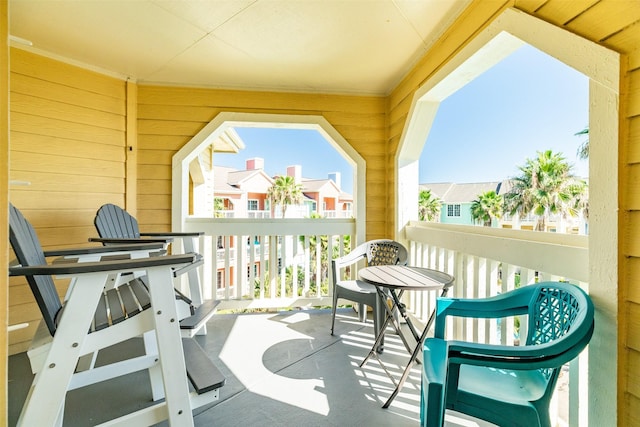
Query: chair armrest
x=174 y=234
x=128 y=241
x=349 y=259
x=504 y=305
x=100 y=266
x=446 y=357
x=477 y=353
x=434 y=377
x=104 y=249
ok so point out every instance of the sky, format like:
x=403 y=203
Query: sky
x=287 y=147
x=528 y=102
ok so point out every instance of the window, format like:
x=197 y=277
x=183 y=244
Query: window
x=453 y=210
x=220 y=275
x=252 y=205
x=220 y=243
x=256 y=271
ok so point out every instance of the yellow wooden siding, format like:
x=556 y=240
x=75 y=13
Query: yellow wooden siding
x=68 y=141
x=4 y=191
x=169 y=117
x=616 y=25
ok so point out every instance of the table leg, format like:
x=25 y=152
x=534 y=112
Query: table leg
x=414 y=354
x=376 y=345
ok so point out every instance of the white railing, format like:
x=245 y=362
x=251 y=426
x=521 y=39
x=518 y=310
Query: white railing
x=337 y=214
x=259 y=214
x=269 y=263
x=225 y=214
x=486 y=261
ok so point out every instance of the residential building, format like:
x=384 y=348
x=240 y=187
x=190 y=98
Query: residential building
x=457 y=199
x=244 y=193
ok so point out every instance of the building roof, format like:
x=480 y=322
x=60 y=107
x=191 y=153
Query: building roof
x=221 y=181
x=237 y=178
x=316 y=185
x=450 y=192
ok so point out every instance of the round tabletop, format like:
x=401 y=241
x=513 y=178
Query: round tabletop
x=407 y=278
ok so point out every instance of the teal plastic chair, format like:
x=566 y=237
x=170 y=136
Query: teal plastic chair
x=505 y=385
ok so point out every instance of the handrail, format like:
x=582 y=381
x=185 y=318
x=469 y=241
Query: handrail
x=564 y=255
x=270 y=226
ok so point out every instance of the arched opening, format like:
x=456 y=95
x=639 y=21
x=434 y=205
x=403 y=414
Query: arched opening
x=221 y=127
x=601 y=66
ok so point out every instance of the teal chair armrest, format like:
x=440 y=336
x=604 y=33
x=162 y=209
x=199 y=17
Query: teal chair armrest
x=504 y=305
x=501 y=356
x=434 y=375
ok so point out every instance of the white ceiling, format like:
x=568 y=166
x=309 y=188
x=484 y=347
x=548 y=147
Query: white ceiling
x=328 y=46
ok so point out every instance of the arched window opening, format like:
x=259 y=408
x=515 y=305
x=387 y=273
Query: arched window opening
x=528 y=110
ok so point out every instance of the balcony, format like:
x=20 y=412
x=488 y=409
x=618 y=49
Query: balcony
x=257 y=214
x=338 y=214
x=485 y=262
x=286 y=366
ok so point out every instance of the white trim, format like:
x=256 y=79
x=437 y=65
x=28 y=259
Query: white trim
x=225 y=121
x=507 y=32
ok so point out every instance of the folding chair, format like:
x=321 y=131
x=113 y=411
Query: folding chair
x=375 y=252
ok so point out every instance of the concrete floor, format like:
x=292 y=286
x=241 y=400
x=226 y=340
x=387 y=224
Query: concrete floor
x=282 y=369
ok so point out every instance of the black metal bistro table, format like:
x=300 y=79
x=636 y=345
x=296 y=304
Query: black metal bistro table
x=393 y=280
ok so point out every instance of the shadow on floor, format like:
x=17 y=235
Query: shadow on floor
x=281 y=369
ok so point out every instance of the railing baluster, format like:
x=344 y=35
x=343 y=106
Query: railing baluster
x=294 y=265
x=480 y=292
x=493 y=288
x=283 y=265
x=307 y=266
x=227 y=270
x=318 y=251
x=252 y=262
x=263 y=264
x=273 y=264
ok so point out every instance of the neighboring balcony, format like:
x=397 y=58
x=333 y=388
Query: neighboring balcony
x=256 y=214
x=338 y=214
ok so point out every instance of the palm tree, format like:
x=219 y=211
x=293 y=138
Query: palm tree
x=285 y=191
x=428 y=206
x=583 y=149
x=545 y=187
x=487 y=206
x=218 y=206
